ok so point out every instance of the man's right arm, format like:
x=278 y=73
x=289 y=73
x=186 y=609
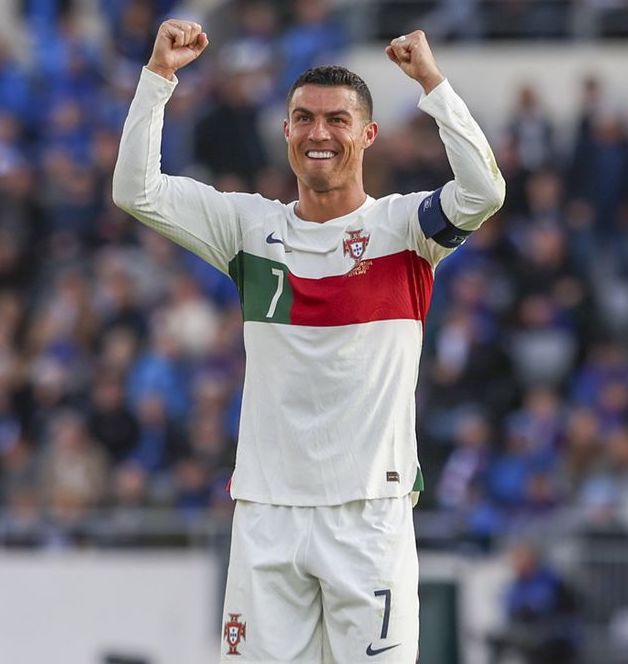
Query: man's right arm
x=191 y=214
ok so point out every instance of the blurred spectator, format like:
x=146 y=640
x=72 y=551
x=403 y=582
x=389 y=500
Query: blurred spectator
x=539 y=613
x=71 y=196
x=599 y=173
x=190 y=317
x=110 y=421
x=228 y=139
x=510 y=472
x=531 y=131
x=581 y=452
x=592 y=103
x=47 y=390
x=604 y=493
x=543 y=344
x=118 y=351
x=545 y=267
x=160 y=441
x=453 y=18
x=254 y=45
x=209 y=442
x=544 y=197
x=21 y=521
x=14 y=85
x=191 y=488
x=605 y=364
x=316 y=37
x=414 y=155
x=159 y=372
x=21 y=215
x=118 y=302
x=178 y=145
x=17 y=461
x=539 y=421
x=131 y=498
x=74 y=472
x=470 y=366
x=467 y=464
x=134 y=25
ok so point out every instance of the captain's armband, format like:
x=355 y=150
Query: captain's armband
x=436 y=226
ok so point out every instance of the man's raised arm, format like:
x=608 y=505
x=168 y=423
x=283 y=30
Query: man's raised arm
x=177 y=44
x=478 y=189
x=190 y=213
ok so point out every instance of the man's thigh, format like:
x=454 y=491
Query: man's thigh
x=367 y=564
x=272 y=610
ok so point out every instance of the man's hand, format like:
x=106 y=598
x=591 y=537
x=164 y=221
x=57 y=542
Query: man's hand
x=414 y=57
x=177 y=44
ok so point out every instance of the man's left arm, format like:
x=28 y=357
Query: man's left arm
x=478 y=188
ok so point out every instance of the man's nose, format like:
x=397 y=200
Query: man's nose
x=319 y=131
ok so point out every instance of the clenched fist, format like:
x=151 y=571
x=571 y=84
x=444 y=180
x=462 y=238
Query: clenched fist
x=414 y=57
x=177 y=43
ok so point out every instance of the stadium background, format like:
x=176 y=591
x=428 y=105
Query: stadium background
x=121 y=355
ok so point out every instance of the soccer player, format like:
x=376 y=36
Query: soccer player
x=334 y=288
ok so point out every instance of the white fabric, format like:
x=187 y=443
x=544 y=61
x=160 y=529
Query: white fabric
x=315 y=436
x=328 y=412
x=303 y=581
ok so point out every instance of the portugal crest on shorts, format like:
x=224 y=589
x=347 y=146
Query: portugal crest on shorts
x=355 y=246
x=234 y=632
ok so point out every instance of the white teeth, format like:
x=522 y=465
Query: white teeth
x=320 y=154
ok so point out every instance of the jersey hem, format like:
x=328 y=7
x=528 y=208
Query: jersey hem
x=309 y=503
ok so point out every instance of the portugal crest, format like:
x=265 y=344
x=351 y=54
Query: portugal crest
x=355 y=246
x=234 y=632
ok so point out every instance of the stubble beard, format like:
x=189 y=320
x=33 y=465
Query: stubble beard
x=320 y=183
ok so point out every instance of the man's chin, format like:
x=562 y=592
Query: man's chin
x=320 y=184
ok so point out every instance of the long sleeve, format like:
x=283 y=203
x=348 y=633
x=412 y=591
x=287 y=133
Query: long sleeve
x=190 y=213
x=478 y=188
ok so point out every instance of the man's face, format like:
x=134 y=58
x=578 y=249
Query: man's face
x=327 y=131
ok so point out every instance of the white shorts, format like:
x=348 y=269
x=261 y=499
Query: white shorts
x=322 y=585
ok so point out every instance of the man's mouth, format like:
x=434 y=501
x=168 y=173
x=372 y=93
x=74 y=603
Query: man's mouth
x=320 y=154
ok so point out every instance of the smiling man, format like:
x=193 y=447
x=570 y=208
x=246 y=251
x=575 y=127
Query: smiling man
x=335 y=289
x=329 y=126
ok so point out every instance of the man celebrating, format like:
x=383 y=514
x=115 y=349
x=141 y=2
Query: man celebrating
x=334 y=288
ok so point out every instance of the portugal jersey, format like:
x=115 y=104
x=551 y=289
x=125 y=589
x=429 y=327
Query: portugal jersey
x=334 y=312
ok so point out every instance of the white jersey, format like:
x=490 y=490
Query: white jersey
x=333 y=312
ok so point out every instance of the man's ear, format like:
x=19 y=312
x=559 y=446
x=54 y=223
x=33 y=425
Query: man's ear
x=286 y=129
x=370 y=134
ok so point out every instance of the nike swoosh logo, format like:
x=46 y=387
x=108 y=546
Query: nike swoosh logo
x=370 y=651
x=273 y=240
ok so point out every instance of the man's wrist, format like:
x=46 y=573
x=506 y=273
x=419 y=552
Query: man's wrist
x=428 y=83
x=165 y=72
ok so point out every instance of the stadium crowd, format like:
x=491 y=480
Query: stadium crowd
x=121 y=355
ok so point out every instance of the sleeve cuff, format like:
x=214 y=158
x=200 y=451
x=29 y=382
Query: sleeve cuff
x=155 y=86
x=438 y=96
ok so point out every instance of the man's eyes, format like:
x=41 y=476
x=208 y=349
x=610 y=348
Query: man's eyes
x=337 y=120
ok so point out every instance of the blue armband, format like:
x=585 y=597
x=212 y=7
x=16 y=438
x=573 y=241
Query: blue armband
x=435 y=224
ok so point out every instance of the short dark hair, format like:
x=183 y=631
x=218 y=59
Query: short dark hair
x=335 y=75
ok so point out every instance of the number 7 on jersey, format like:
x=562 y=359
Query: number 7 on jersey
x=273 y=303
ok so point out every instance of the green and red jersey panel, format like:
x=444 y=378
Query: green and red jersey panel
x=397 y=286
